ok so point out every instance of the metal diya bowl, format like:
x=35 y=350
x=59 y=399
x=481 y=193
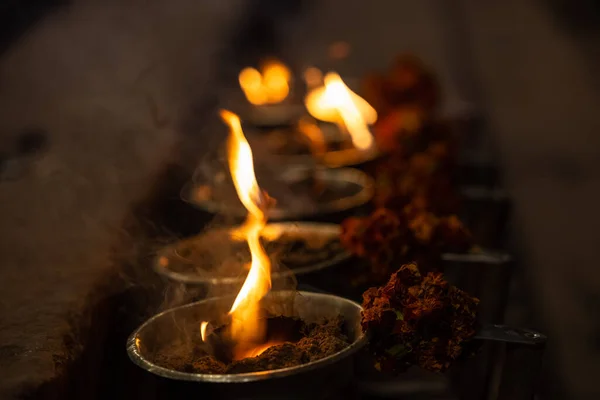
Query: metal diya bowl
x=275 y=115
x=285 y=113
x=179 y=263
x=359 y=185
x=317 y=379
x=288 y=146
x=351 y=157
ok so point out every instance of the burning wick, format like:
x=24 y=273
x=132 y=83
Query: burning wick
x=247 y=328
x=272 y=86
x=335 y=102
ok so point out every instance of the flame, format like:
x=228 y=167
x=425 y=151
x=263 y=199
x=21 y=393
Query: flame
x=247 y=328
x=270 y=233
x=335 y=102
x=258 y=350
x=203 y=326
x=271 y=86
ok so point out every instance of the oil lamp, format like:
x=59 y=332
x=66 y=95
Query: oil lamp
x=268 y=92
x=274 y=333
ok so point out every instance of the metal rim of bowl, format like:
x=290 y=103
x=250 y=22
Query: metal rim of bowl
x=344 y=255
x=346 y=158
x=350 y=158
x=350 y=175
x=136 y=357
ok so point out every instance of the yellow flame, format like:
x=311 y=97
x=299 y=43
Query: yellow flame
x=271 y=86
x=335 y=102
x=247 y=328
x=241 y=166
x=251 y=83
x=269 y=233
x=276 y=78
x=203 y=326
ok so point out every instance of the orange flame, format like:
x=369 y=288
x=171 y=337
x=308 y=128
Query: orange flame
x=247 y=327
x=335 y=102
x=271 y=86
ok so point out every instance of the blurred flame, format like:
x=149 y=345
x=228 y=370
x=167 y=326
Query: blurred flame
x=203 y=326
x=335 y=102
x=313 y=133
x=251 y=83
x=276 y=78
x=271 y=86
x=247 y=326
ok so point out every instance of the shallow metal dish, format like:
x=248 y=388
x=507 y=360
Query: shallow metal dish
x=272 y=115
x=344 y=176
x=317 y=379
x=170 y=258
x=352 y=157
x=335 y=156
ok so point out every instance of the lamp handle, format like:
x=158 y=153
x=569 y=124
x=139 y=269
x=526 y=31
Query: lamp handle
x=515 y=364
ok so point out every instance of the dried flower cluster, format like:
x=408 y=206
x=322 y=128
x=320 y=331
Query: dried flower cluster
x=405 y=99
x=418 y=320
x=406 y=83
x=387 y=238
x=414 y=319
x=424 y=179
x=421 y=148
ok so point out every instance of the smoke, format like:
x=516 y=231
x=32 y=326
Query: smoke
x=121 y=90
x=108 y=82
x=215 y=263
